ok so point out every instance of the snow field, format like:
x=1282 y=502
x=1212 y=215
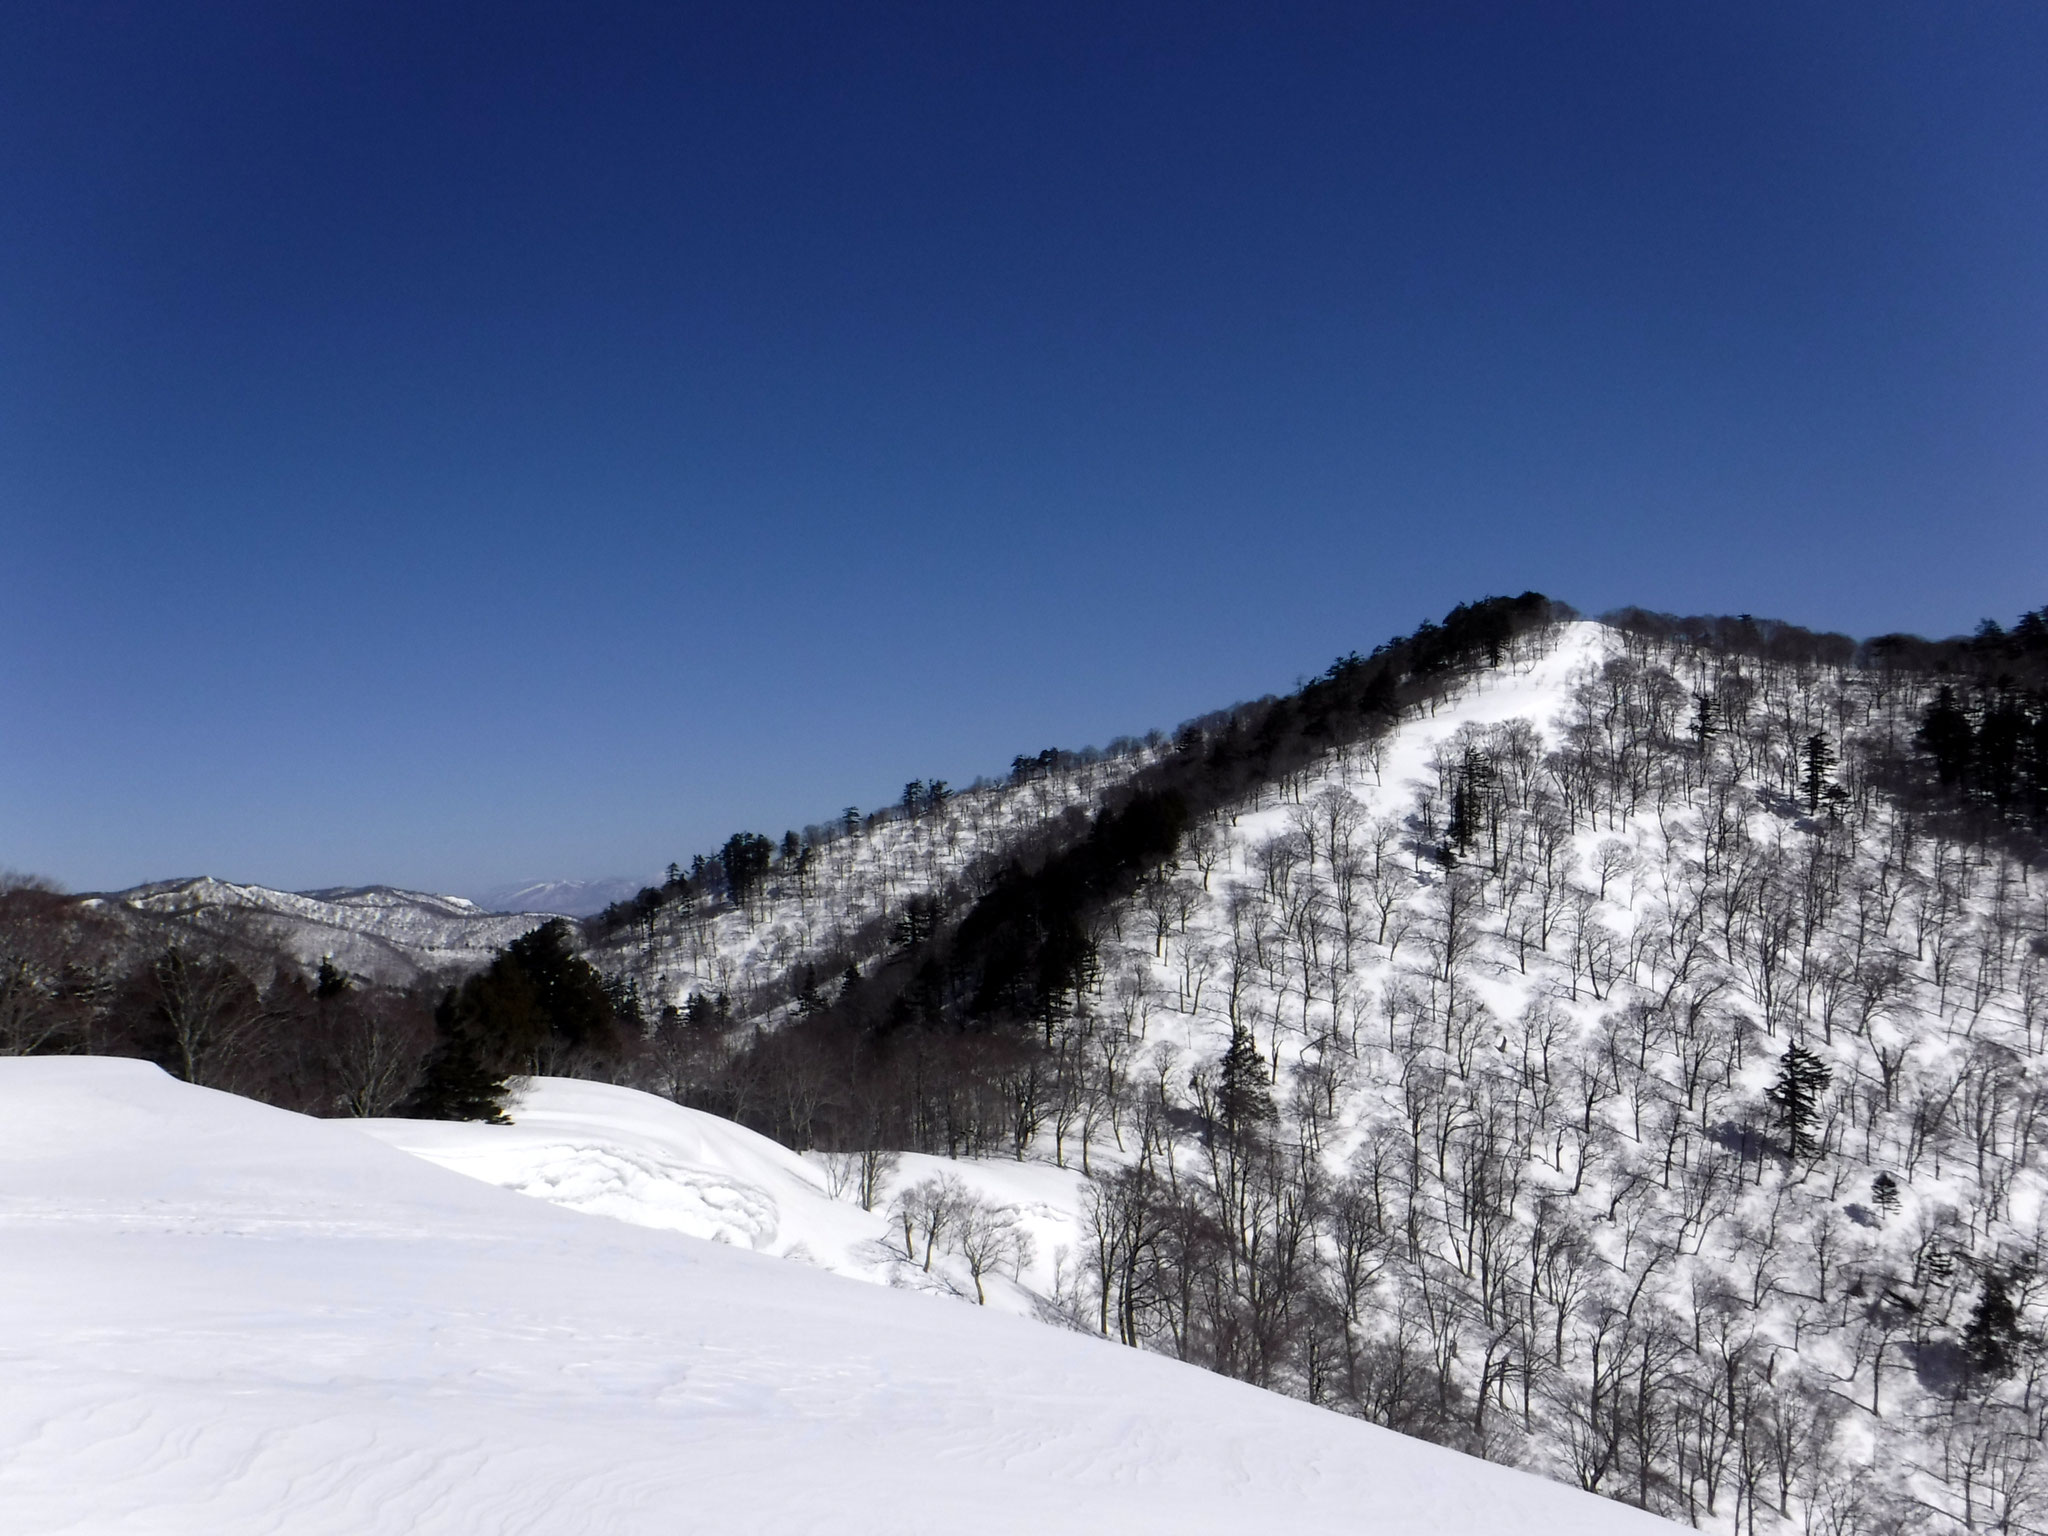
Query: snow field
x=227 y=1319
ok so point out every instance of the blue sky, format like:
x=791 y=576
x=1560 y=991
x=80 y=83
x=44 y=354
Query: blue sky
x=540 y=440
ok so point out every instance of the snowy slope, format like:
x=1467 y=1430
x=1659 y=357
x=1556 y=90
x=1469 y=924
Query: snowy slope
x=1184 y=968
x=373 y=931
x=1557 y=1059
x=225 y=1318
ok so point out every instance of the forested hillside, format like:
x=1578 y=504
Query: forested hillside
x=1618 y=1056
x=1613 y=1049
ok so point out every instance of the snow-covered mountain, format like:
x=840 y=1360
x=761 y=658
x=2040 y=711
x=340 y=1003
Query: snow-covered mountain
x=1584 y=1050
x=373 y=931
x=225 y=1318
x=1521 y=979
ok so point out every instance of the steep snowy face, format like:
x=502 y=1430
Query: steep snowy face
x=227 y=1319
x=371 y=931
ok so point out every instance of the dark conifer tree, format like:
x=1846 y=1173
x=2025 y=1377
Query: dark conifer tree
x=1946 y=733
x=746 y=857
x=707 y=1013
x=1818 y=760
x=569 y=997
x=1802 y=1078
x=458 y=1084
x=1244 y=1101
x=1992 y=1336
x=809 y=999
x=332 y=982
x=1706 y=720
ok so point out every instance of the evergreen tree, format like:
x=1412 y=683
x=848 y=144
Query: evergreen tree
x=1458 y=829
x=537 y=1006
x=809 y=999
x=1802 y=1078
x=458 y=1084
x=1946 y=733
x=1706 y=720
x=746 y=857
x=1243 y=1100
x=1992 y=1336
x=1818 y=758
x=623 y=993
x=707 y=1013
x=332 y=982
x=1470 y=804
x=572 y=1006
x=1884 y=1191
x=920 y=920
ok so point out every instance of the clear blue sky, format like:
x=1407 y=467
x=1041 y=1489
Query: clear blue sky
x=446 y=445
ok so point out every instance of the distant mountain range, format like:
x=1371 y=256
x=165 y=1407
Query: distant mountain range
x=372 y=931
x=377 y=932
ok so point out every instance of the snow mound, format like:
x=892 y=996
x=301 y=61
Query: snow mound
x=640 y=1159
x=226 y=1319
x=625 y=1154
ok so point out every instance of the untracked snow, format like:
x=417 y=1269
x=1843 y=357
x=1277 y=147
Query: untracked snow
x=225 y=1318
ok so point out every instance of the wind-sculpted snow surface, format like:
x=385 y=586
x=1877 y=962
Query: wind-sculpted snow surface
x=228 y=1319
